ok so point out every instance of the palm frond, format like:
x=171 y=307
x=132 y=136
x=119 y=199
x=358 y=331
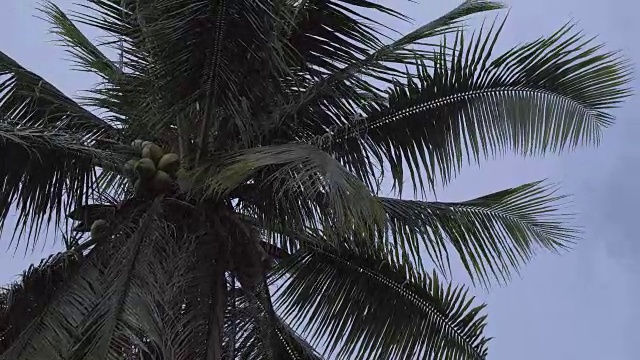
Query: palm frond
x=247 y=343
x=23 y=301
x=356 y=302
x=397 y=51
x=52 y=330
x=124 y=306
x=294 y=346
x=87 y=56
x=493 y=234
x=182 y=287
x=300 y=173
x=105 y=308
x=202 y=327
x=327 y=34
x=172 y=35
x=45 y=173
x=548 y=95
x=30 y=100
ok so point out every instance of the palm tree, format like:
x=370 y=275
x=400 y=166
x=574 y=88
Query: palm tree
x=223 y=178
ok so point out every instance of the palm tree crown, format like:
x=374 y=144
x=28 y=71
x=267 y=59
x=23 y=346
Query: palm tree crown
x=219 y=186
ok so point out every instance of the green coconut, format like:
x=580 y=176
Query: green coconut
x=153 y=152
x=146 y=168
x=162 y=182
x=169 y=163
x=100 y=229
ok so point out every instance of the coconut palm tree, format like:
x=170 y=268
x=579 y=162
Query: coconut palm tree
x=219 y=188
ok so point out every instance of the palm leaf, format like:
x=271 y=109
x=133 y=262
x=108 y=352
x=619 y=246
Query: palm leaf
x=241 y=325
x=397 y=51
x=51 y=331
x=327 y=34
x=88 y=57
x=124 y=306
x=91 y=313
x=355 y=302
x=23 y=301
x=300 y=173
x=548 y=95
x=160 y=304
x=45 y=173
x=28 y=99
x=295 y=346
x=181 y=85
x=180 y=282
x=492 y=234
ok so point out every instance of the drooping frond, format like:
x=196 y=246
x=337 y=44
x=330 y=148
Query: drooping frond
x=87 y=56
x=295 y=173
x=196 y=329
x=29 y=100
x=45 y=172
x=105 y=309
x=493 y=234
x=326 y=35
x=243 y=337
x=23 y=301
x=123 y=308
x=152 y=292
x=398 y=51
x=188 y=292
x=51 y=332
x=195 y=48
x=356 y=302
x=548 y=95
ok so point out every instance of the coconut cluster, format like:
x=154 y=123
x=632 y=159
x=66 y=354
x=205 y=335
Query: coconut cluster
x=155 y=172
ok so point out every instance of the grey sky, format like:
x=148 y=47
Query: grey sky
x=576 y=306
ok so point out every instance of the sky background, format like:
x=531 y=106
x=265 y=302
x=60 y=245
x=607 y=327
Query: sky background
x=581 y=305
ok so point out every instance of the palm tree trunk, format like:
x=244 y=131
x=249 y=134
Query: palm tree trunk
x=217 y=303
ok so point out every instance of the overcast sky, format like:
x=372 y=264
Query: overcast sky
x=581 y=305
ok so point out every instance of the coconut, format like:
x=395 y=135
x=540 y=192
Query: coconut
x=138 y=144
x=100 y=229
x=152 y=151
x=169 y=163
x=146 y=168
x=162 y=182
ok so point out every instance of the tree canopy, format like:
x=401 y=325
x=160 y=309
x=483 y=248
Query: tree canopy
x=223 y=178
